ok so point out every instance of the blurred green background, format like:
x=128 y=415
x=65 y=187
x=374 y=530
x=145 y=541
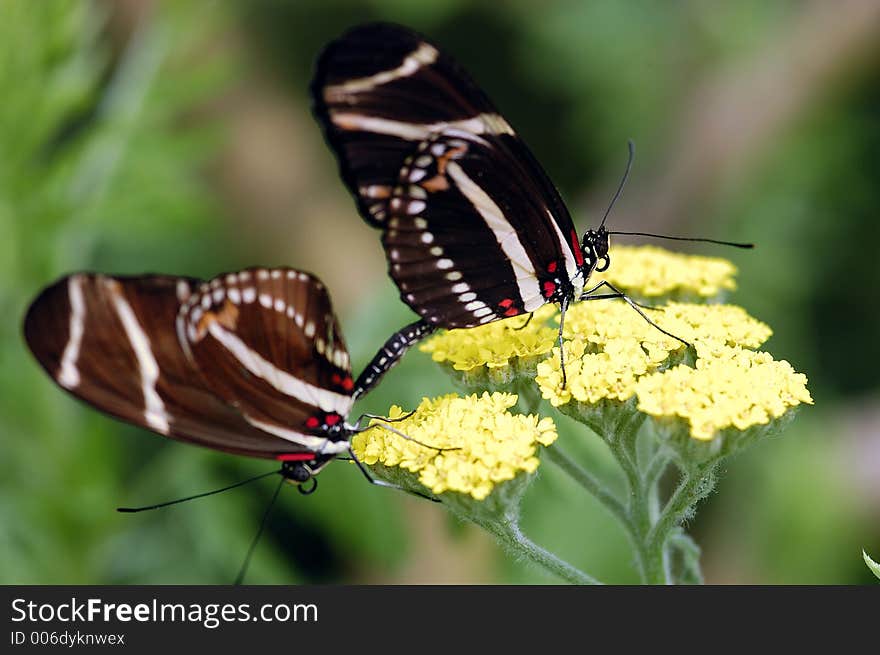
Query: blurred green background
x=141 y=136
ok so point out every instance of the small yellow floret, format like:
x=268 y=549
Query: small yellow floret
x=730 y=387
x=602 y=321
x=495 y=344
x=609 y=346
x=590 y=377
x=491 y=444
x=650 y=272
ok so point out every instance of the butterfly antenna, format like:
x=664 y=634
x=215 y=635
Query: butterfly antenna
x=253 y=546
x=384 y=483
x=381 y=418
x=702 y=240
x=526 y=324
x=632 y=153
x=202 y=495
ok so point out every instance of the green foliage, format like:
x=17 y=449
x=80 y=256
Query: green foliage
x=871 y=564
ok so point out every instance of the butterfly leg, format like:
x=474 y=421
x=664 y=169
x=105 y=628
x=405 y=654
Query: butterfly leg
x=617 y=293
x=588 y=295
x=357 y=424
x=404 y=435
x=563 y=307
x=389 y=354
x=382 y=483
x=524 y=325
x=653 y=308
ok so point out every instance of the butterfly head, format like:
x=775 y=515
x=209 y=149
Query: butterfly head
x=300 y=469
x=595 y=247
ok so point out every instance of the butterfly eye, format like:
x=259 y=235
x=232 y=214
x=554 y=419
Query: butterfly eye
x=605 y=262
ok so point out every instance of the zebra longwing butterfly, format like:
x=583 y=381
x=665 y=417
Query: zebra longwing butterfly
x=251 y=363
x=473 y=229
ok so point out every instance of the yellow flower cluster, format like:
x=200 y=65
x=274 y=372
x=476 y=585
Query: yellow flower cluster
x=613 y=353
x=650 y=272
x=603 y=321
x=495 y=344
x=644 y=271
x=590 y=377
x=610 y=346
x=730 y=387
x=490 y=444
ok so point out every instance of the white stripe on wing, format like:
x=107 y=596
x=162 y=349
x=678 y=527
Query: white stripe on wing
x=424 y=55
x=68 y=374
x=505 y=234
x=280 y=380
x=319 y=445
x=469 y=128
x=154 y=409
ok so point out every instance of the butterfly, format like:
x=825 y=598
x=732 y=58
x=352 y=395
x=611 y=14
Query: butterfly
x=251 y=363
x=473 y=229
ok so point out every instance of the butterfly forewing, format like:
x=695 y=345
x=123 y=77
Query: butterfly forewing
x=267 y=342
x=473 y=228
x=111 y=341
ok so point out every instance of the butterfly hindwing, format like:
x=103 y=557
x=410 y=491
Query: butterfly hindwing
x=267 y=342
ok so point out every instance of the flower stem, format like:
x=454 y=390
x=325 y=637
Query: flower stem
x=651 y=567
x=680 y=545
x=512 y=538
x=694 y=486
x=637 y=514
x=656 y=466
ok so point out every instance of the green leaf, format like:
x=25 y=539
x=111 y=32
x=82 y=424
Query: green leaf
x=874 y=566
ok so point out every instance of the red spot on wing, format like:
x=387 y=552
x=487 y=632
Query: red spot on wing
x=576 y=247
x=312 y=422
x=551 y=267
x=513 y=311
x=348 y=383
x=336 y=379
x=332 y=419
x=549 y=288
x=507 y=302
x=295 y=457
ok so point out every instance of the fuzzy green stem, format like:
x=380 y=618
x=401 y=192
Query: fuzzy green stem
x=688 y=553
x=623 y=442
x=656 y=466
x=651 y=567
x=694 y=485
x=512 y=538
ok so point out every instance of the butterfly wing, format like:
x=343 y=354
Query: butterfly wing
x=111 y=341
x=267 y=342
x=473 y=228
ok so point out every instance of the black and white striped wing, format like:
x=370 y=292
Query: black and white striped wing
x=112 y=342
x=267 y=342
x=473 y=228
